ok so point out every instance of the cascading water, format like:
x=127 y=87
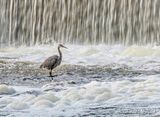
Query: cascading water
x=111 y=66
x=30 y=22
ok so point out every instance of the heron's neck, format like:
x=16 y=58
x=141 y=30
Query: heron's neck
x=60 y=53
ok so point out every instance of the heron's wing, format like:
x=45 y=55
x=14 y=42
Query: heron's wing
x=50 y=62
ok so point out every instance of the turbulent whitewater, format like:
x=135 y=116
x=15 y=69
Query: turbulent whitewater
x=92 y=81
x=112 y=66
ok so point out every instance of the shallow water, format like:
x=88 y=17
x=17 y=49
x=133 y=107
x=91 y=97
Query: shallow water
x=92 y=81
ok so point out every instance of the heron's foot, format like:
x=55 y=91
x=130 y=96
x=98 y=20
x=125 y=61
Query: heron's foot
x=55 y=75
x=52 y=76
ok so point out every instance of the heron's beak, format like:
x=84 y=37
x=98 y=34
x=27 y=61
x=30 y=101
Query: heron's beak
x=65 y=47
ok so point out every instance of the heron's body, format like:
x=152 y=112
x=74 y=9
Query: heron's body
x=53 y=61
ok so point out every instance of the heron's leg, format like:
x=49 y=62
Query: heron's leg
x=50 y=73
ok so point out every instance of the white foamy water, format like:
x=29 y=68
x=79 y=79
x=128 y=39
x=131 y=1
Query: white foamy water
x=140 y=57
x=26 y=101
x=75 y=99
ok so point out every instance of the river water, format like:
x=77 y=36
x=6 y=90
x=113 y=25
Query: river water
x=110 y=69
x=93 y=80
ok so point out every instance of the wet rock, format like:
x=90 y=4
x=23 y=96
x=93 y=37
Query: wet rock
x=72 y=82
x=28 y=73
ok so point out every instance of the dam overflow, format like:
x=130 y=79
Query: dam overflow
x=30 y=22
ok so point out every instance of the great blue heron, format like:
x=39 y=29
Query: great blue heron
x=53 y=61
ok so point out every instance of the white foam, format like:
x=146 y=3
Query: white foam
x=43 y=103
x=72 y=95
x=47 y=96
x=17 y=105
x=142 y=57
x=78 y=97
x=5 y=101
x=103 y=97
x=4 y=89
x=141 y=51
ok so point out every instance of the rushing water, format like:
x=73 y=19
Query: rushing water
x=30 y=22
x=92 y=81
x=111 y=67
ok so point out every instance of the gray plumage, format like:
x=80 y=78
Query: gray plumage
x=53 y=61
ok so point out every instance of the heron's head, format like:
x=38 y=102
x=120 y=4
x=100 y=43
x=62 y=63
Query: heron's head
x=60 y=45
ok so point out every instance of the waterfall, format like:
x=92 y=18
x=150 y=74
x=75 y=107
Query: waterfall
x=30 y=22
